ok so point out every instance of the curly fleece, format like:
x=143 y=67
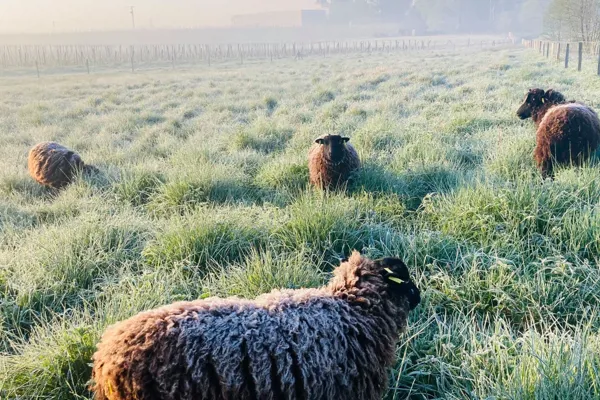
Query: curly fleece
x=326 y=175
x=567 y=133
x=53 y=165
x=335 y=342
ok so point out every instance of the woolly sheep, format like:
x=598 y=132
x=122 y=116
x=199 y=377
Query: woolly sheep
x=331 y=161
x=53 y=165
x=334 y=342
x=567 y=131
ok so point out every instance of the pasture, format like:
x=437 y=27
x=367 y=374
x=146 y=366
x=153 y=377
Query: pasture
x=204 y=192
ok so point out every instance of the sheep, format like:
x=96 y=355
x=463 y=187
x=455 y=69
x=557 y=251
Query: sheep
x=567 y=132
x=55 y=166
x=332 y=161
x=333 y=342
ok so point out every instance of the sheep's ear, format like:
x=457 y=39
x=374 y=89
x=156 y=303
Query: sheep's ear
x=394 y=268
x=345 y=139
x=553 y=95
x=319 y=141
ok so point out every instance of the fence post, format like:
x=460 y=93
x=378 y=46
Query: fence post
x=37 y=68
x=599 y=62
x=87 y=65
x=132 y=60
x=567 y=53
x=580 y=56
x=558 y=53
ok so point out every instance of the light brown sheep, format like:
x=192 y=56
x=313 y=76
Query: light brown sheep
x=55 y=166
x=332 y=161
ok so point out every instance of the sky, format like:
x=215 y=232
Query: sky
x=45 y=16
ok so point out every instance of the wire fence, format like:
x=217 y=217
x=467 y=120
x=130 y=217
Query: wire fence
x=40 y=57
x=567 y=52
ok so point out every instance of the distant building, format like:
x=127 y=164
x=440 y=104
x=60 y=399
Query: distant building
x=281 y=19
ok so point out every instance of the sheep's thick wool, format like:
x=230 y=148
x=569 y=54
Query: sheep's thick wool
x=568 y=133
x=326 y=174
x=53 y=165
x=334 y=342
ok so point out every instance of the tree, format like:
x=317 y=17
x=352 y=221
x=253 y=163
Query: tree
x=577 y=20
x=391 y=10
x=349 y=10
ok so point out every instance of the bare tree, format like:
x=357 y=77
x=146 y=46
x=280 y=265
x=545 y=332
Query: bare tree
x=577 y=20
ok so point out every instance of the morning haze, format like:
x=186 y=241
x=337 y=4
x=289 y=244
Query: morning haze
x=46 y=16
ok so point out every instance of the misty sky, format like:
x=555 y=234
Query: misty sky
x=23 y=16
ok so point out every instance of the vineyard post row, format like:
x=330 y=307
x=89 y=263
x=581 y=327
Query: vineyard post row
x=39 y=57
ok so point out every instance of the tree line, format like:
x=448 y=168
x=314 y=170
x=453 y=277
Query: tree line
x=446 y=16
x=573 y=20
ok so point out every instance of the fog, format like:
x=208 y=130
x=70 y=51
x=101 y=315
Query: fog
x=48 y=16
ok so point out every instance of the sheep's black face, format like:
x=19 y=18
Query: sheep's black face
x=401 y=285
x=534 y=99
x=538 y=98
x=334 y=147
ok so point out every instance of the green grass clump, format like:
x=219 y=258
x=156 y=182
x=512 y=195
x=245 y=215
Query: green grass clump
x=52 y=364
x=261 y=272
x=208 y=238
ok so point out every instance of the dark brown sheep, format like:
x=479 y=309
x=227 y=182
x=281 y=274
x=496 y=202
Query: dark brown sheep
x=55 y=166
x=568 y=132
x=332 y=161
x=335 y=342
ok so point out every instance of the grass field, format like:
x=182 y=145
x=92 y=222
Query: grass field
x=204 y=192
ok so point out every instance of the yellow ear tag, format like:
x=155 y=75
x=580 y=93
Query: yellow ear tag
x=393 y=278
x=543 y=100
x=397 y=280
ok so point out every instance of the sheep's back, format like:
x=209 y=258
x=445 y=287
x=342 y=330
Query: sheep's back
x=567 y=132
x=53 y=165
x=324 y=174
x=218 y=349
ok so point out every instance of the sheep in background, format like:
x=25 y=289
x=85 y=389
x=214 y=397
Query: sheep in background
x=568 y=132
x=55 y=166
x=332 y=161
x=334 y=342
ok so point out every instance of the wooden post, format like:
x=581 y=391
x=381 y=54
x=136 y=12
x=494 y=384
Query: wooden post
x=87 y=65
x=567 y=53
x=598 y=61
x=580 y=56
x=37 y=68
x=558 y=53
x=132 y=60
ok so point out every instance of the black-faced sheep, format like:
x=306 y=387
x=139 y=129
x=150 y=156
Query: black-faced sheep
x=334 y=342
x=53 y=165
x=567 y=132
x=332 y=161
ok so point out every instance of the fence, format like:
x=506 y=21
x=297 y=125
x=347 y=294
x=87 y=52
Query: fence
x=556 y=50
x=90 y=56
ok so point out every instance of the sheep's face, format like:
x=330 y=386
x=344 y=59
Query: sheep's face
x=334 y=147
x=536 y=99
x=401 y=286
